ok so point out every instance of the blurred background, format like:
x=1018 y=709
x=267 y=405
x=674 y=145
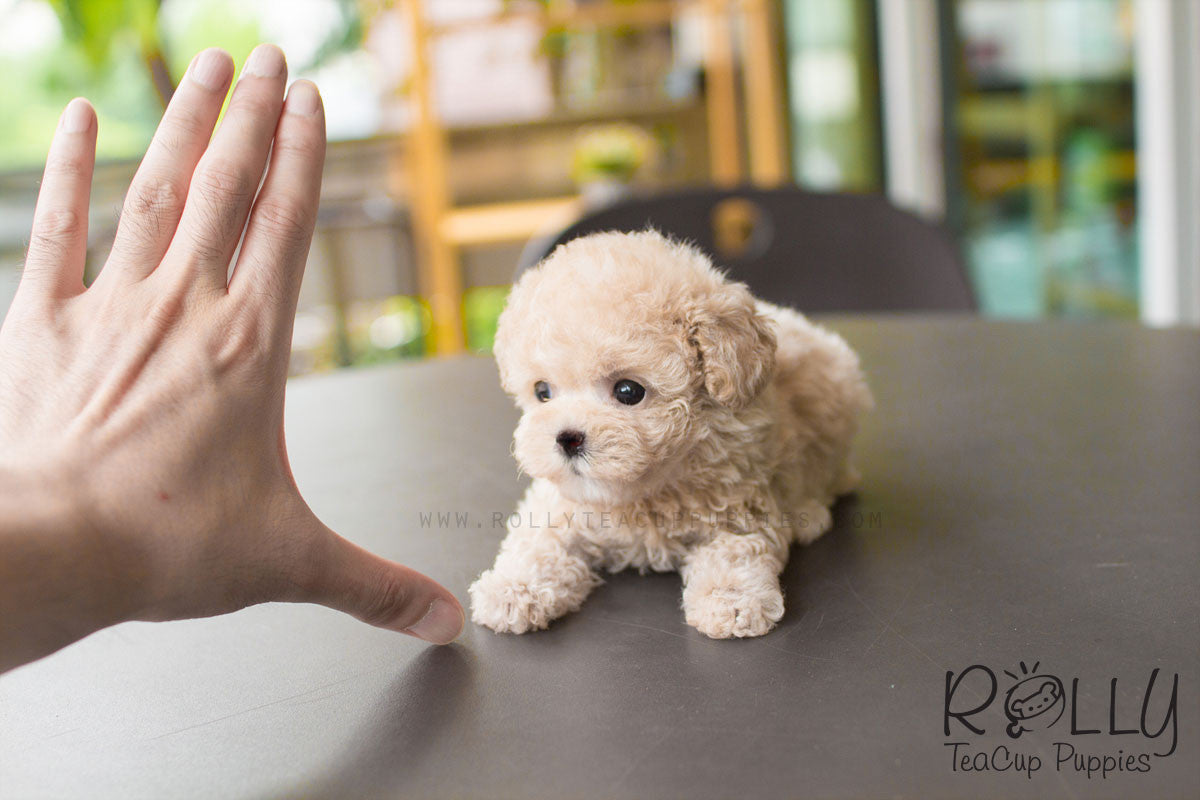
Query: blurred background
x=1058 y=141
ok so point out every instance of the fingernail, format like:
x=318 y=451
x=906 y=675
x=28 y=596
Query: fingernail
x=265 y=62
x=303 y=99
x=76 y=117
x=441 y=624
x=210 y=69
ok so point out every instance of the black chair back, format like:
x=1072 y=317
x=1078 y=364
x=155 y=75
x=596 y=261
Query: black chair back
x=813 y=251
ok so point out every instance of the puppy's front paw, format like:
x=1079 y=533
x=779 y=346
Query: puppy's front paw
x=726 y=611
x=508 y=605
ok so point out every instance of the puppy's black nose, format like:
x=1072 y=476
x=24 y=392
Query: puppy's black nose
x=570 y=442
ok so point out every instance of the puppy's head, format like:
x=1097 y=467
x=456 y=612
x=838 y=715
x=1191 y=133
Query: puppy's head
x=618 y=349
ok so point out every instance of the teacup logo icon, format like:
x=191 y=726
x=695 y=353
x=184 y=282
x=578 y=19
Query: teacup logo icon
x=1035 y=702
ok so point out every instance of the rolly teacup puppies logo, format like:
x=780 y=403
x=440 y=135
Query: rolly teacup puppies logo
x=1035 y=702
x=1038 y=700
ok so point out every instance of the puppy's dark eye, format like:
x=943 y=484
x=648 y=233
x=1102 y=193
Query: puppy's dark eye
x=541 y=390
x=629 y=392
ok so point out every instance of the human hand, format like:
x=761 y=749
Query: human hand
x=143 y=473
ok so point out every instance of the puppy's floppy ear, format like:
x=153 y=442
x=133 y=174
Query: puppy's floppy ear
x=736 y=346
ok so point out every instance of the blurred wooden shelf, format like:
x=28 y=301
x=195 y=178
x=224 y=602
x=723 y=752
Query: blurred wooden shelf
x=625 y=109
x=507 y=222
x=643 y=13
x=993 y=177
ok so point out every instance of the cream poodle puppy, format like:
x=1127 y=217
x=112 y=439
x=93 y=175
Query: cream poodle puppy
x=669 y=422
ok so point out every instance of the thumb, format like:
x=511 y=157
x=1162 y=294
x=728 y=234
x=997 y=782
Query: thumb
x=384 y=593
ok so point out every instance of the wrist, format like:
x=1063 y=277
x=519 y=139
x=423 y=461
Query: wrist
x=62 y=576
x=35 y=496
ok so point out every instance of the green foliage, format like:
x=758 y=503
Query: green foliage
x=100 y=26
x=611 y=152
x=37 y=87
x=217 y=23
x=481 y=311
x=105 y=54
x=346 y=37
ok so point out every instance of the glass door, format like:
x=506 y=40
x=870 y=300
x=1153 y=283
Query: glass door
x=1041 y=153
x=833 y=94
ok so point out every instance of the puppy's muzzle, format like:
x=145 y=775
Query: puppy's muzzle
x=570 y=442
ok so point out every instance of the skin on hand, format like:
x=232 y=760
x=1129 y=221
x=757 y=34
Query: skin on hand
x=143 y=472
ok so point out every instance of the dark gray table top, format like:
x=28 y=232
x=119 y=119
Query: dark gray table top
x=1031 y=494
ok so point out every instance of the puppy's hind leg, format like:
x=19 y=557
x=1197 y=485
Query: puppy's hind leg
x=731 y=585
x=812 y=519
x=847 y=480
x=814 y=516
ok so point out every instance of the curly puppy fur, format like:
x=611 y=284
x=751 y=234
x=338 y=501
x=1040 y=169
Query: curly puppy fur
x=738 y=448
